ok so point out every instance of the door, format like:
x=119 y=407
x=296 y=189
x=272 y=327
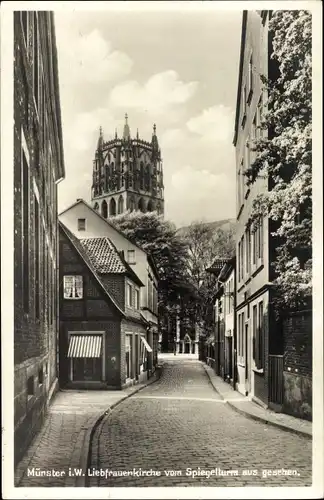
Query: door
x=247 y=360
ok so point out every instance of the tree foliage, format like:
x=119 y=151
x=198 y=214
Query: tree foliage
x=160 y=239
x=205 y=245
x=284 y=155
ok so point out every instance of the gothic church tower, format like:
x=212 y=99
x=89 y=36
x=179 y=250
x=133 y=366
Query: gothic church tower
x=127 y=175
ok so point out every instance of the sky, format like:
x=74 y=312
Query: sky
x=178 y=69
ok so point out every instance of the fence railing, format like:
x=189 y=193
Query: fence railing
x=276 y=389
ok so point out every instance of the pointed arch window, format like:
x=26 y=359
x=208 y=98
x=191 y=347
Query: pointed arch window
x=147 y=178
x=104 y=209
x=120 y=205
x=141 y=175
x=112 y=207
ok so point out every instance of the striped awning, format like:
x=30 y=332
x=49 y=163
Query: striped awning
x=146 y=344
x=85 y=346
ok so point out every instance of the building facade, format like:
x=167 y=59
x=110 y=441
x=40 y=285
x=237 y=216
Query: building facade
x=85 y=222
x=127 y=175
x=105 y=343
x=220 y=346
x=254 y=245
x=38 y=168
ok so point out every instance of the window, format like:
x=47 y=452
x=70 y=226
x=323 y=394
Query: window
x=24 y=22
x=254 y=248
x=50 y=292
x=243 y=337
x=87 y=369
x=250 y=76
x=260 y=352
x=254 y=330
x=137 y=299
x=258 y=336
x=244 y=99
x=25 y=231
x=30 y=386
x=248 y=252
x=37 y=252
x=253 y=138
x=259 y=118
x=258 y=243
x=35 y=58
x=241 y=342
x=40 y=376
x=131 y=257
x=128 y=357
x=129 y=295
x=81 y=224
x=242 y=257
x=239 y=261
x=150 y=294
x=155 y=300
x=261 y=240
x=73 y=287
x=85 y=352
x=247 y=164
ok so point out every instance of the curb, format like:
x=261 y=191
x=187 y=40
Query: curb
x=270 y=422
x=251 y=416
x=85 y=458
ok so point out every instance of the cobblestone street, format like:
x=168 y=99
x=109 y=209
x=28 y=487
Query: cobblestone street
x=180 y=423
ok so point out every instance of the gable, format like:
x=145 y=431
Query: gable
x=95 y=227
x=72 y=263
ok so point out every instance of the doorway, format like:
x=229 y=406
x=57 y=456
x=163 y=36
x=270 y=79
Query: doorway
x=247 y=360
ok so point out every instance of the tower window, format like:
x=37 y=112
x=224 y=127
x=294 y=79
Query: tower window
x=30 y=386
x=40 y=376
x=81 y=224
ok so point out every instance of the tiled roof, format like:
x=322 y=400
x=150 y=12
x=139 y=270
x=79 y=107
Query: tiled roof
x=86 y=258
x=104 y=256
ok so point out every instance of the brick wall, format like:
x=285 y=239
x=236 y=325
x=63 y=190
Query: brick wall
x=297 y=339
x=297 y=334
x=116 y=284
x=36 y=163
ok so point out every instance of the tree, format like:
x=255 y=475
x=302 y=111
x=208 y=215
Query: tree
x=169 y=250
x=284 y=155
x=204 y=245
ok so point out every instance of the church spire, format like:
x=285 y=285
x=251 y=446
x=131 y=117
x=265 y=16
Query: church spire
x=116 y=137
x=155 y=143
x=100 y=140
x=126 y=134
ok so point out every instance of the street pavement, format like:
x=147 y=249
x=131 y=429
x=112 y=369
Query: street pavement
x=63 y=442
x=180 y=427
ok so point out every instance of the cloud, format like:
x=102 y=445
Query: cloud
x=200 y=194
x=90 y=58
x=160 y=93
x=85 y=130
x=214 y=123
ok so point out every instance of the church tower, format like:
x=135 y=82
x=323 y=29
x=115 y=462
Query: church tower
x=127 y=175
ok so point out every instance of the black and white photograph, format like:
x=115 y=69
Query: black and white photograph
x=161 y=228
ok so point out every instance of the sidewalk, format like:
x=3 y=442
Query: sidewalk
x=65 y=438
x=247 y=407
